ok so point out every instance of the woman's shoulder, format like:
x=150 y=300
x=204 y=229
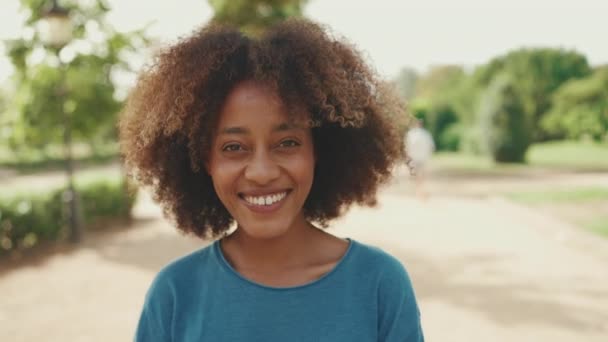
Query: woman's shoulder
x=394 y=285
x=376 y=255
x=185 y=267
x=377 y=260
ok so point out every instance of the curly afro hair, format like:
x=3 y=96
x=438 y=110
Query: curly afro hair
x=169 y=118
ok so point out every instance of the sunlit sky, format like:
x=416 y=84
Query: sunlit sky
x=395 y=33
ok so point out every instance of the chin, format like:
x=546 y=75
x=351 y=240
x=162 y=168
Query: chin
x=264 y=231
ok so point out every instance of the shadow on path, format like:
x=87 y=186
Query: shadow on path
x=149 y=251
x=505 y=301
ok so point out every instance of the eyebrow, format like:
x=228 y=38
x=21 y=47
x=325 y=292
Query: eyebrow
x=242 y=130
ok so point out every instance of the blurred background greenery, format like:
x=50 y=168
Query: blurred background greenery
x=524 y=112
x=511 y=242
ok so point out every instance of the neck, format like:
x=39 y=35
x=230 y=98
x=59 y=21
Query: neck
x=283 y=251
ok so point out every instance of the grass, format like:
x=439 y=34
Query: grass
x=33 y=161
x=598 y=225
x=586 y=207
x=577 y=195
x=561 y=155
x=570 y=154
x=81 y=177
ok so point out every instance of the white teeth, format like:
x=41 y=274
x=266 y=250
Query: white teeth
x=265 y=200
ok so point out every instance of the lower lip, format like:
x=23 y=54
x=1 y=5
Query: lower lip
x=266 y=208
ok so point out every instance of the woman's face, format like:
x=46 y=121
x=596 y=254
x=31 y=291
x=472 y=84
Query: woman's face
x=261 y=163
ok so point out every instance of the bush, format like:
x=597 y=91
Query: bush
x=442 y=122
x=28 y=219
x=105 y=199
x=471 y=141
x=420 y=109
x=537 y=73
x=580 y=109
x=441 y=117
x=450 y=138
x=506 y=133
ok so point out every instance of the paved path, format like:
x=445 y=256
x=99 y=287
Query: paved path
x=484 y=270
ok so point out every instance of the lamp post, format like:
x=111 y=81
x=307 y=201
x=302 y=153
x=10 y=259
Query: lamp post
x=55 y=29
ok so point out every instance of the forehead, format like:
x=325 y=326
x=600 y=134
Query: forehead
x=252 y=103
x=250 y=94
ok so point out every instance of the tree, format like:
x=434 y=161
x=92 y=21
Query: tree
x=440 y=95
x=537 y=73
x=580 y=108
x=78 y=83
x=504 y=126
x=439 y=81
x=253 y=16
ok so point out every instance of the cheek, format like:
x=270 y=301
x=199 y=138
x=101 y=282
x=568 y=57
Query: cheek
x=223 y=174
x=303 y=167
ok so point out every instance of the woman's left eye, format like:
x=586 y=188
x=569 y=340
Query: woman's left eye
x=232 y=148
x=289 y=143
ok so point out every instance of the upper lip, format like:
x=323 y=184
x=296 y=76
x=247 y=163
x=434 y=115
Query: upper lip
x=255 y=193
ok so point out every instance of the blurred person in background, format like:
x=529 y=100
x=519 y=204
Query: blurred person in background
x=419 y=147
x=259 y=143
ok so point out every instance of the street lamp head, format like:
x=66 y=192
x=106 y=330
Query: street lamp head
x=55 y=27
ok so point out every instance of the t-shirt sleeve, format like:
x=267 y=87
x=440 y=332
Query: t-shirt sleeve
x=399 y=316
x=157 y=313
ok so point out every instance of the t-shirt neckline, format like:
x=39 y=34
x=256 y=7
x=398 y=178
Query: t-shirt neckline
x=219 y=254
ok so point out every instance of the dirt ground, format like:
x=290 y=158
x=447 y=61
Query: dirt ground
x=484 y=269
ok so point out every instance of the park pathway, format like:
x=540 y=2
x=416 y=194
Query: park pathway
x=483 y=269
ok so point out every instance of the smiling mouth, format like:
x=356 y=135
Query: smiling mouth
x=268 y=200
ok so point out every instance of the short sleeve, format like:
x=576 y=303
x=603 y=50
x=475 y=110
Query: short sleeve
x=399 y=316
x=157 y=313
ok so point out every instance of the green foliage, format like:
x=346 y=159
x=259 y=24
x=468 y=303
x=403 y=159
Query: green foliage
x=506 y=134
x=449 y=98
x=438 y=84
x=452 y=98
x=106 y=199
x=439 y=119
x=74 y=84
x=419 y=108
x=27 y=219
x=253 y=16
x=538 y=73
x=451 y=137
x=580 y=109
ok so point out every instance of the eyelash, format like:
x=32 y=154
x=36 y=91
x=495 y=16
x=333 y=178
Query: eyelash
x=234 y=147
x=228 y=148
x=293 y=142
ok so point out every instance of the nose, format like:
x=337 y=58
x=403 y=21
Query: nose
x=262 y=169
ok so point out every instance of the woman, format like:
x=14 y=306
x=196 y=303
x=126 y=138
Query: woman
x=259 y=143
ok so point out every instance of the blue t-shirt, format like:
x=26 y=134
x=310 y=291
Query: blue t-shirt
x=368 y=296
